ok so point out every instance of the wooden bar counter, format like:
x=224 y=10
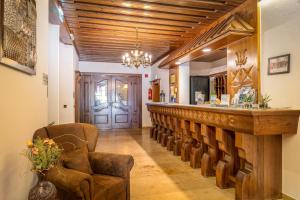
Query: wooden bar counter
x=241 y=147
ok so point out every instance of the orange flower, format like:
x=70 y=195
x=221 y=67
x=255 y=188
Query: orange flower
x=29 y=144
x=35 y=151
x=51 y=142
x=46 y=140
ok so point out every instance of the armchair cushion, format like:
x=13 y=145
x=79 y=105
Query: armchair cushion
x=77 y=160
x=111 y=164
x=81 y=185
x=109 y=187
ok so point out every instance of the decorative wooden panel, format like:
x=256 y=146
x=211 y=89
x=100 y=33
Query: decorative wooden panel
x=227 y=31
x=242 y=62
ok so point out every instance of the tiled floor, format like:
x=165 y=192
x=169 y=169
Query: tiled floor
x=157 y=174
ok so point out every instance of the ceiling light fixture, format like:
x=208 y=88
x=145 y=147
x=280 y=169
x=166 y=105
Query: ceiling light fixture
x=206 y=50
x=177 y=63
x=137 y=58
x=126 y=4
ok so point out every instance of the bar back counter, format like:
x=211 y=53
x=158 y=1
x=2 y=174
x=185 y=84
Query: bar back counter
x=241 y=147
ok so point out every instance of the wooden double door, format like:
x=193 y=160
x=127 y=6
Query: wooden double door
x=110 y=101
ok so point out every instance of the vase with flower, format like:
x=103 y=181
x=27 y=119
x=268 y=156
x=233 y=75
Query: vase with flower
x=43 y=155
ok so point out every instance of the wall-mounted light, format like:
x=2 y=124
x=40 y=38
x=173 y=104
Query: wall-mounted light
x=177 y=63
x=206 y=50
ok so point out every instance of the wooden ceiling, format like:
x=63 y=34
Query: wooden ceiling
x=105 y=29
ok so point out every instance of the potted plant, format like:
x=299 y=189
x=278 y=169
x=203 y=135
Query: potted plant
x=43 y=154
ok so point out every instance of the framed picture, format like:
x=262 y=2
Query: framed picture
x=172 y=79
x=279 y=65
x=18 y=35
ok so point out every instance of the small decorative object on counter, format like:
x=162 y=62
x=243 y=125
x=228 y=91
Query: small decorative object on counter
x=245 y=97
x=199 y=97
x=213 y=98
x=264 y=101
x=162 y=96
x=225 y=99
x=43 y=154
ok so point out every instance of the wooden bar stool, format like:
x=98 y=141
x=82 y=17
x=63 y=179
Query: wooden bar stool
x=228 y=164
x=187 y=142
x=210 y=158
x=177 y=140
x=171 y=137
x=198 y=148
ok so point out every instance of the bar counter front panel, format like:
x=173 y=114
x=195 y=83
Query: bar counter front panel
x=241 y=147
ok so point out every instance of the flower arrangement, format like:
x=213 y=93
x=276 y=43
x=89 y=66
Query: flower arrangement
x=43 y=154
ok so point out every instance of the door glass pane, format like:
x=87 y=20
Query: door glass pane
x=101 y=92
x=121 y=92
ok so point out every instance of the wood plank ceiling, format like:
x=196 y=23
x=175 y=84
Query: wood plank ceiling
x=105 y=29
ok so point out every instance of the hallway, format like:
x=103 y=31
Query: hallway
x=157 y=174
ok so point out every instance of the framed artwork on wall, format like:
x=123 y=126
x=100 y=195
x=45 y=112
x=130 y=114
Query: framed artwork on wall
x=172 y=79
x=18 y=35
x=279 y=65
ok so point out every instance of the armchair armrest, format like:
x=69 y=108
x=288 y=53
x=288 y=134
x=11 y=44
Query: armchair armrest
x=111 y=164
x=75 y=182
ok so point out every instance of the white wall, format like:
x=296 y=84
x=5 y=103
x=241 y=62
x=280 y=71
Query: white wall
x=23 y=109
x=280 y=31
x=208 y=68
x=163 y=75
x=119 y=68
x=53 y=74
x=67 y=65
x=184 y=83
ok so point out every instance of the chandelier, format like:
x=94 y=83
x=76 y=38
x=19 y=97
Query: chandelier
x=136 y=57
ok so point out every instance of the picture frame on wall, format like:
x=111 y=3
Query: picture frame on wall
x=279 y=64
x=172 y=79
x=18 y=35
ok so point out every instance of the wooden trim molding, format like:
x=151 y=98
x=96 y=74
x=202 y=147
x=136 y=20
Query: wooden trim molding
x=226 y=32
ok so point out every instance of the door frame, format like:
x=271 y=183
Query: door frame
x=79 y=96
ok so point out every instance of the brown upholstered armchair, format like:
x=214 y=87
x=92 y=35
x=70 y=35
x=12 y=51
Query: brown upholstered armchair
x=111 y=172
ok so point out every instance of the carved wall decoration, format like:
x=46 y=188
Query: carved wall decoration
x=242 y=75
x=18 y=34
x=242 y=55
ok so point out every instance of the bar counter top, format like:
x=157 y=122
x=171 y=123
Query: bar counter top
x=271 y=121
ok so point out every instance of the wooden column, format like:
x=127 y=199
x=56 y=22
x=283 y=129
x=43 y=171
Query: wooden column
x=260 y=173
